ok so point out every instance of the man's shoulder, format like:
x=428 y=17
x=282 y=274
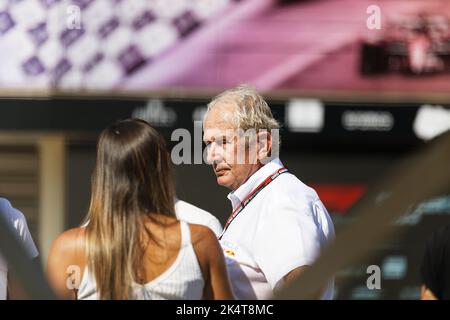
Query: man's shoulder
x=5 y=206
x=15 y=216
x=192 y=214
x=186 y=210
x=288 y=186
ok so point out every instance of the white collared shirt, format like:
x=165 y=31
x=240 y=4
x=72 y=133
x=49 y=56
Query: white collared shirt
x=192 y=214
x=284 y=227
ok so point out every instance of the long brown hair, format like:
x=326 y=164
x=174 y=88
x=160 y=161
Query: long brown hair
x=132 y=180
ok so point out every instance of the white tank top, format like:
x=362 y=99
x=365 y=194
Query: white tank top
x=183 y=280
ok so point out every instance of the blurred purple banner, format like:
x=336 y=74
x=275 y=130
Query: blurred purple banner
x=317 y=45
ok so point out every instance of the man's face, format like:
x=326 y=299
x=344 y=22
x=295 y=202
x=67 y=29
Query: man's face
x=232 y=161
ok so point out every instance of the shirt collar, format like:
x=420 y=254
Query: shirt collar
x=238 y=195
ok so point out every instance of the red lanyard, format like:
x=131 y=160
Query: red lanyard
x=251 y=196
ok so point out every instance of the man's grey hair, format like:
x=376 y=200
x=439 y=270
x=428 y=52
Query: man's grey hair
x=252 y=111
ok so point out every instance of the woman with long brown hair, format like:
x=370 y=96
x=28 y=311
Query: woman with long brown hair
x=132 y=246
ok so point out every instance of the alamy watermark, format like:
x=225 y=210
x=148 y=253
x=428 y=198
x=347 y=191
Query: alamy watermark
x=73 y=20
x=74 y=277
x=374 y=280
x=374 y=19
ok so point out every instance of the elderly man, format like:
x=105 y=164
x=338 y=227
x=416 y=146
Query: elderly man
x=278 y=226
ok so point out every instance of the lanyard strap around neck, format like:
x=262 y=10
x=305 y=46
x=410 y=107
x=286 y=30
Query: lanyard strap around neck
x=251 y=196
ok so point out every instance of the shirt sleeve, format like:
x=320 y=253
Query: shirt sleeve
x=19 y=224
x=215 y=226
x=25 y=235
x=288 y=237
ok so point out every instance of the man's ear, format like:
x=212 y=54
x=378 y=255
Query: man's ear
x=264 y=145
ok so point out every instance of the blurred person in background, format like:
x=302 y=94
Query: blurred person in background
x=8 y=287
x=133 y=246
x=435 y=269
x=278 y=226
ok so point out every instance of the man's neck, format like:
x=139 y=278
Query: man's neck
x=254 y=169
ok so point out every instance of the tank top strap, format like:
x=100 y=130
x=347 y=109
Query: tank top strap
x=185 y=234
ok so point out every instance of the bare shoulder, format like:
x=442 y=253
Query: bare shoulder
x=71 y=238
x=69 y=244
x=202 y=235
x=66 y=252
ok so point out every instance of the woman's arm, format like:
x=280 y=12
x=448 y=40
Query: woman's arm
x=212 y=261
x=66 y=263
